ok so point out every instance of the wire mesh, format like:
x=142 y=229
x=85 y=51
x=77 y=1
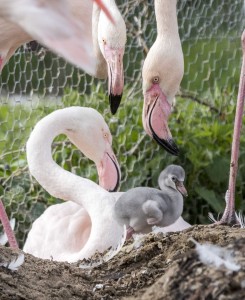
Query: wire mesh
x=36 y=82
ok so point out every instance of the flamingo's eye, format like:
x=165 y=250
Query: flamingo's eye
x=174 y=179
x=155 y=79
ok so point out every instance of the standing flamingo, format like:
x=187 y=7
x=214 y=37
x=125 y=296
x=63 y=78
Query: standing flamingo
x=229 y=216
x=84 y=224
x=109 y=46
x=162 y=73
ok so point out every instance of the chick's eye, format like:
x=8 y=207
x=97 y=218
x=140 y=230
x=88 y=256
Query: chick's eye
x=174 y=179
x=104 y=41
x=155 y=79
x=106 y=135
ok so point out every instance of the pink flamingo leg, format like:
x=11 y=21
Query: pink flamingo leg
x=229 y=214
x=130 y=232
x=7 y=228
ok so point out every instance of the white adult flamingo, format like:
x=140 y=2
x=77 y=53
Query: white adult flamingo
x=162 y=73
x=52 y=24
x=178 y=225
x=109 y=46
x=76 y=229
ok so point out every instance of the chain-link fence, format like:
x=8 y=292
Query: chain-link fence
x=35 y=82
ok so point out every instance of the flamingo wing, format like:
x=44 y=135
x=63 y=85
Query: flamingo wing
x=53 y=24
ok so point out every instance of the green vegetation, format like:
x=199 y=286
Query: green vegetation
x=203 y=135
x=211 y=62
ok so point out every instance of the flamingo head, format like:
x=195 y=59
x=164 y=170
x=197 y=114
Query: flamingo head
x=173 y=177
x=162 y=73
x=98 y=146
x=112 y=40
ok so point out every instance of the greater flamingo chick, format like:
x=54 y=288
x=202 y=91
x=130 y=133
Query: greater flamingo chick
x=162 y=73
x=142 y=208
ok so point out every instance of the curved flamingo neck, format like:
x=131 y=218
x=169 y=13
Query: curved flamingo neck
x=101 y=65
x=111 y=4
x=166 y=17
x=54 y=179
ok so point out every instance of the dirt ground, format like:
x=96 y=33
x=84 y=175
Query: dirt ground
x=163 y=267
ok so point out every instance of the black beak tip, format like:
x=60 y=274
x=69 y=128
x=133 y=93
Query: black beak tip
x=168 y=145
x=174 y=148
x=114 y=101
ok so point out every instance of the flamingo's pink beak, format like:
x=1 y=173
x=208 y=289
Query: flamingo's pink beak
x=109 y=171
x=114 y=59
x=104 y=8
x=156 y=111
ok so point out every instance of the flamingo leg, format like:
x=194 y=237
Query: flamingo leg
x=7 y=228
x=229 y=213
x=130 y=232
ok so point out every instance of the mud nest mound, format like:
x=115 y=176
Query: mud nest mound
x=160 y=267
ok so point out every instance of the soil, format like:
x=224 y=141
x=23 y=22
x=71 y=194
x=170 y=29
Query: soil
x=164 y=266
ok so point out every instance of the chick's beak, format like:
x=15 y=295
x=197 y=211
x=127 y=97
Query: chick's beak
x=181 y=188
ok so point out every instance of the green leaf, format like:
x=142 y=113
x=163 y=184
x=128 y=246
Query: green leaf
x=218 y=171
x=210 y=198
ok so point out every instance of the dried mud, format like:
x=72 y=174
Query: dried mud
x=163 y=267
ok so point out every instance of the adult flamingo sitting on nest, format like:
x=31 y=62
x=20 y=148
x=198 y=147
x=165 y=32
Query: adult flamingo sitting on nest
x=84 y=224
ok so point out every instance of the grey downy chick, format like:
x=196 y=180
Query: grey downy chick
x=141 y=208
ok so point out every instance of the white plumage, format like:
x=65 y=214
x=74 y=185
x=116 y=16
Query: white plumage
x=84 y=224
x=215 y=256
x=14 y=264
x=162 y=73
